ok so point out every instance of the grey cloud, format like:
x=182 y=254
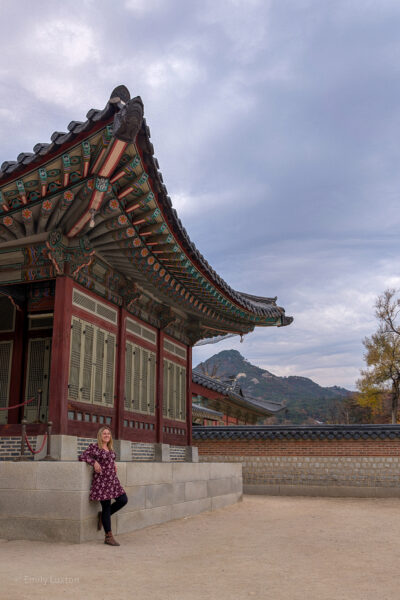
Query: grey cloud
x=276 y=128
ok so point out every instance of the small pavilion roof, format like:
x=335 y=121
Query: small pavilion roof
x=236 y=394
x=206 y=413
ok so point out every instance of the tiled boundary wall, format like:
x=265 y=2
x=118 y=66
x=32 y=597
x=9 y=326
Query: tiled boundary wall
x=10 y=447
x=328 y=460
x=49 y=501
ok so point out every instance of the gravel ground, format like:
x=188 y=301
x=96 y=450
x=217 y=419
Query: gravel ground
x=264 y=547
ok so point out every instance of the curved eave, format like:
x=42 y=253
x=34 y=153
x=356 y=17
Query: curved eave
x=202 y=412
x=189 y=280
x=247 y=402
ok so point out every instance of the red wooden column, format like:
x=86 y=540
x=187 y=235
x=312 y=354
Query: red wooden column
x=189 y=396
x=17 y=368
x=60 y=350
x=160 y=386
x=120 y=376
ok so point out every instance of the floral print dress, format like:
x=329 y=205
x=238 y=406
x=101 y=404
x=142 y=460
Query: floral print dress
x=105 y=485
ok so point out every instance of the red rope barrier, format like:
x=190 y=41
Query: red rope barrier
x=41 y=447
x=17 y=405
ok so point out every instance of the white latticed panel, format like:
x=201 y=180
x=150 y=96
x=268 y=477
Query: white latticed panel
x=152 y=384
x=141 y=331
x=99 y=368
x=92 y=364
x=133 y=327
x=84 y=301
x=175 y=349
x=136 y=355
x=37 y=378
x=5 y=375
x=87 y=363
x=182 y=394
x=94 y=307
x=42 y=323
x=109 y=371
x=75 y=359
x=128 y=395
x=174 y=398
x=165 y=388
x=140 y=379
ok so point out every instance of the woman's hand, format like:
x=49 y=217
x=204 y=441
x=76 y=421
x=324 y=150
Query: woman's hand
x=97 y=467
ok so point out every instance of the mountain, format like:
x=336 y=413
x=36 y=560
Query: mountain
x=305 y=400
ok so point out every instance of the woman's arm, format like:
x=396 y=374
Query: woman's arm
x=89 y=455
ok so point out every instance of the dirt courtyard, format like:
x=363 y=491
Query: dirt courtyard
x=283 y=548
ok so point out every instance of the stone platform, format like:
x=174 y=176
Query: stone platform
x=49 y=501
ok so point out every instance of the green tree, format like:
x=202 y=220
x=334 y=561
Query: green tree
x=381 y=380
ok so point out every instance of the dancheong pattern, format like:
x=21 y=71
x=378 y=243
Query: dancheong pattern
x=99 y=182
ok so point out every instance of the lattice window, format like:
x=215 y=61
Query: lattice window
x=141 y=331
x=175 y=349
x=140 y=379
x=45 y=322
x=92 y=364
x=37 y=378
x=94 y=306
x=174 y=396
x=5 y=376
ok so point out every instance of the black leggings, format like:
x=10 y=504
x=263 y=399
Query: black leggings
x=109 y=509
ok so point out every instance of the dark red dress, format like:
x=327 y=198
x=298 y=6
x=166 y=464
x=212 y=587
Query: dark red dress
x=105 y=485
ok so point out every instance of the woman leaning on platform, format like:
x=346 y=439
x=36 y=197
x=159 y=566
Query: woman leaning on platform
x=105 y=483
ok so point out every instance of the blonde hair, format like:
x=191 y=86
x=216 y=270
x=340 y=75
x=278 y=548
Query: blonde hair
x=100 y=441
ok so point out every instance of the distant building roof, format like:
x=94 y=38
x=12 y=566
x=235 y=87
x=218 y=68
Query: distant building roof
x=236 y=394
x=206 y=413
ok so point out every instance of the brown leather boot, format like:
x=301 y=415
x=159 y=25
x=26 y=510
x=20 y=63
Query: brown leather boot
x=110 y=540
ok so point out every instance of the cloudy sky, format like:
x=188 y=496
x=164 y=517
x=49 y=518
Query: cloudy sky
x=276 y=124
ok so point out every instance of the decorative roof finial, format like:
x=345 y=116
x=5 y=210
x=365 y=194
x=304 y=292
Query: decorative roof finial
x=120 y=94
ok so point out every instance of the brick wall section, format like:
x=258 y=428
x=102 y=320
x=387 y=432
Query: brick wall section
x=370 y=463
x=378 y=471
x=177 y=453
x=10 y=447
x=83 y=443
x=142 y=451
x=368 y=447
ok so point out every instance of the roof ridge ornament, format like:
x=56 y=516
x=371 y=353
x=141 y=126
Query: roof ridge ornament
x=128 y=121
x=120 y=94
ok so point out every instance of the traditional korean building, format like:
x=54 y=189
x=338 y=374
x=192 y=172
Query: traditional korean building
x=230 y=401
x=102 y=292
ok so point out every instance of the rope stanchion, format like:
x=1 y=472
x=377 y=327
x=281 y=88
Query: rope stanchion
x=48 y=455
x=17 y=405
x=41 y=447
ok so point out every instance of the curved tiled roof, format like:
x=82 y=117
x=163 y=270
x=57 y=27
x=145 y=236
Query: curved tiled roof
x=59 y=139
x=258 y=310
x=296 y=432
x=203 y=412
x=236 y=394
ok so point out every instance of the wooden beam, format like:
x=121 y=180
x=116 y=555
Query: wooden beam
x=59 y=368
x=160 y=386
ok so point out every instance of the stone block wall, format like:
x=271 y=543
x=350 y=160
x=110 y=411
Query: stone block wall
x=358 y=461
x=49 y=501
